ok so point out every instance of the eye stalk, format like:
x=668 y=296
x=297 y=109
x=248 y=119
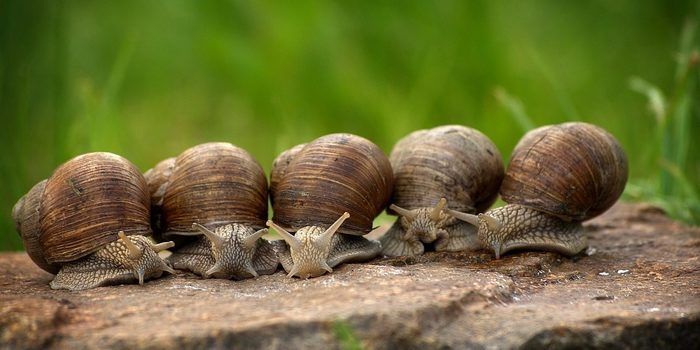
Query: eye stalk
x=215 y=239
x=403 y=212
x=435 y=214
x=134 y=252
x=293 y=242
x=162 y=246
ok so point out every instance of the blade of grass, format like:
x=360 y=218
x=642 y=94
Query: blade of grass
x=515 y=107
x=346 y=336
x=562 y=96
x=676 y=193
x=687 y=188
x=657 y=101
x=106 y=131
x=684 y=93
x=657 y=105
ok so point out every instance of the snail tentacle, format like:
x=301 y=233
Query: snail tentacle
x=435 y=214
x=288 y=237
x=162 y=246
x=403 y=212
x=324 y=240
x=134 y=251
x=250 y=241
x=470 y=218
x=216 y=241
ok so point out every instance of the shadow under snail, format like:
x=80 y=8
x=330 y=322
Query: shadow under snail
x=75 y=224
x=558 y=176
x=216 y=192
x=448 y=165
x=325 y=195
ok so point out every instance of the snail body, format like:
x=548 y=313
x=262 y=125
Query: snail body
x=216 y=192
x=450 y=165
x=75 y=224
x=558 y=177
x=325 y=196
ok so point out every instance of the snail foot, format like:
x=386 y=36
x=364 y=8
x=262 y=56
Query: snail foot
x=394 y=243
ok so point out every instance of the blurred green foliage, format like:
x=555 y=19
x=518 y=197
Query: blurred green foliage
x=148 y=79
x=344 y=334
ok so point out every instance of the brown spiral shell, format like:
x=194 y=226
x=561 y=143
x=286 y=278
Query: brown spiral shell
x=574 y=170
x=211 y=184
x=334 y=174
x=87 y=201
x=279 y=168
x=157 y=178
x=455 y=162
x=26 y=216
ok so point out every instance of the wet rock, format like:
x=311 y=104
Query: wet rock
x=437 y=300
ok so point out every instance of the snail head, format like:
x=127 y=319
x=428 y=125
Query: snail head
x=310 y=247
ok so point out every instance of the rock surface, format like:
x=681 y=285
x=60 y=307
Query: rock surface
x=638 y=287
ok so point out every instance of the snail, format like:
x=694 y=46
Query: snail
x=325 y=196
x=75 y=224
x=217 y=192
x=448 y=165
x=558 y=176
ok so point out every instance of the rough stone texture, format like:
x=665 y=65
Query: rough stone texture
x=639 y=287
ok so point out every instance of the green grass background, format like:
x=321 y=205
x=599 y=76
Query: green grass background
x=148 y=79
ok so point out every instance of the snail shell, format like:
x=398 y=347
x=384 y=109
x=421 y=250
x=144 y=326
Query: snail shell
x=558 y=176
x=214 y=184
x=78 y=211
x=223 y=190
x=26 y=216
x=87 y=201
x=448 y=165
x=332 y=175
x=279 y=168
x=575 y=171
x=453 y=162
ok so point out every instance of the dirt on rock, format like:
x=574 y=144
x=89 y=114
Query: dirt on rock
x=638 y=286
